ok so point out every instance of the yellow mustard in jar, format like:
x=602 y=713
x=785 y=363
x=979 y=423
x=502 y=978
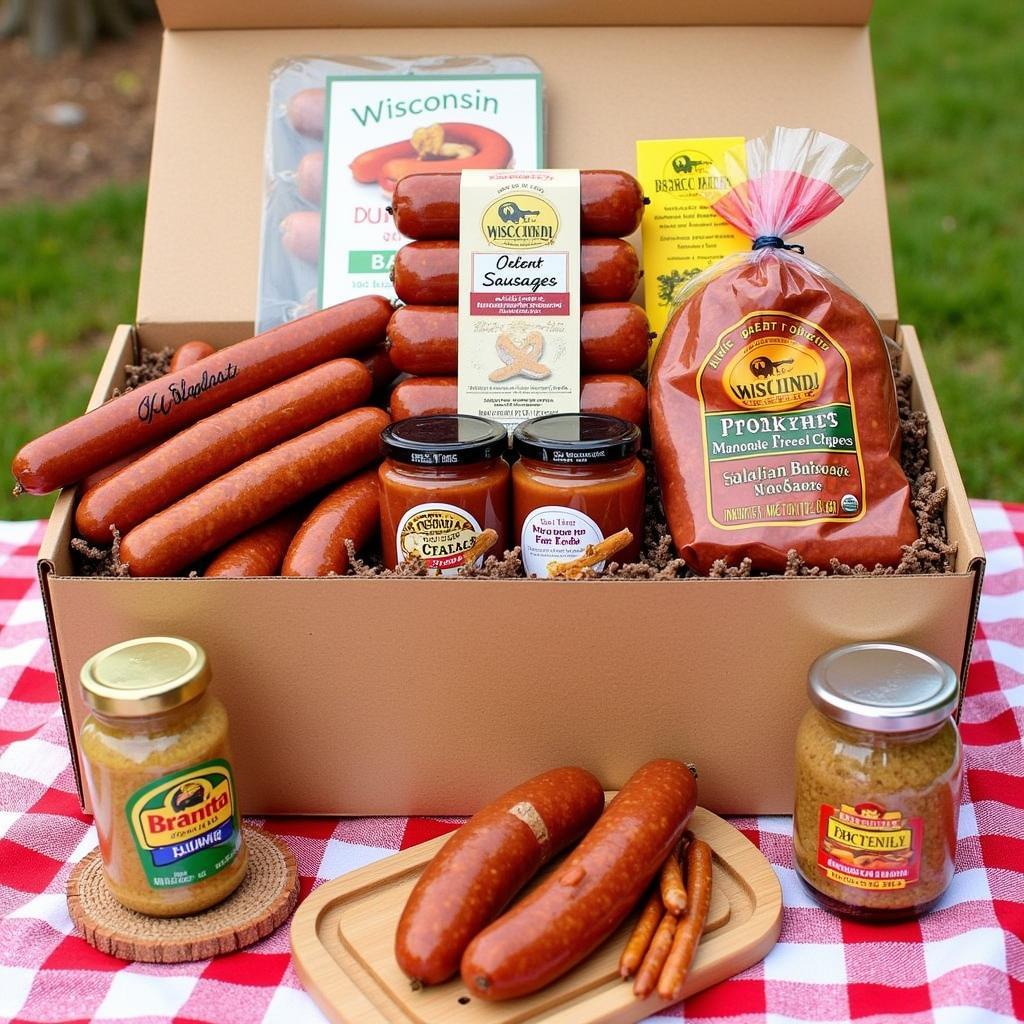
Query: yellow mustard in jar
x=878 y=781
x=158 y=770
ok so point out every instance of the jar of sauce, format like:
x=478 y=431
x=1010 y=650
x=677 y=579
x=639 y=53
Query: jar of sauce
x=577 y=483
x=443 y=482
x=158 y=771
x=878 y=781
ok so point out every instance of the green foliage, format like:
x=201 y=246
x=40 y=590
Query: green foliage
x=949 y=76
x=68 y=275
x=53 y=24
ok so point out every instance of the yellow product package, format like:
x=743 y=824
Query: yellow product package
x=682 y=235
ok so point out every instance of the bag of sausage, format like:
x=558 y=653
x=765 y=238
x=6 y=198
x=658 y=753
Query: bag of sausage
x=773 y=407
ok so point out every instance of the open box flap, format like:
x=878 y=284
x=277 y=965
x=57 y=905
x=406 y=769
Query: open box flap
x=605 y=88
x=220 y=14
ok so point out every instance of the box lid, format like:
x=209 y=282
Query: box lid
x=709 y=68
x=222 y=14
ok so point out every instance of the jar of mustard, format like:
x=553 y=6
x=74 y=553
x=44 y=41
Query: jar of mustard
x=878 y=777
x=158 y=771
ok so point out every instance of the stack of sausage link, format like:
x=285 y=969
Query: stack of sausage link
x=219 y=455
x=423 y=334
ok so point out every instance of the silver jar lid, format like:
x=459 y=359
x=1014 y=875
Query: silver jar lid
x=883 y=687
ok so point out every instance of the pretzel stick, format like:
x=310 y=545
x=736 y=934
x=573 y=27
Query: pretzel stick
x=687 y=935
x=483 y=542
x=594 y=553
x=673 y=891
x=654 y=959
x=641 y=936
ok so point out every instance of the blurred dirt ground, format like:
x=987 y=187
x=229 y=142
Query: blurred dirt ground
x=44 y=153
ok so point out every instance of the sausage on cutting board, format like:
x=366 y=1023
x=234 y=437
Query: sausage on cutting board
x=486 y=862
x=581 y=903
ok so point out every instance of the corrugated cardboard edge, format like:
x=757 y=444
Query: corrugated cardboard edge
x=958 y=509
x=55 y=548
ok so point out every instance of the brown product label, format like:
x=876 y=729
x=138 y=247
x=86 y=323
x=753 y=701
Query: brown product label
x=779 y=426
x=869 y=846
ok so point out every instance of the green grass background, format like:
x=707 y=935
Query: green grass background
x=949 y=79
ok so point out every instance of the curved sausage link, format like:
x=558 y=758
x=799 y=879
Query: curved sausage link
x=214 y=445
x=351 y=512
x=163 y=406
x=424 y=340
x=258 y=552
x=613 y=394
x=578 y=906
x=252 y=493
x=425 y=205
x=427 y=273
x=486 y=863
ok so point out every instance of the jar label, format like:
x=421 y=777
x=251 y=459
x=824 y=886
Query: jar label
x=869 y=846
x=186 y=825
x=552 y=535
x=439 y=534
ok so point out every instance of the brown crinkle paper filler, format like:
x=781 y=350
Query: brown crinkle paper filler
x=930 y=553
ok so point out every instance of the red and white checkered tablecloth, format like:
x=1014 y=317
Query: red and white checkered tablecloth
x=961 y=964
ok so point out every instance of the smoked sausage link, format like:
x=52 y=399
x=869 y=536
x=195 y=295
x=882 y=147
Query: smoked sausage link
x=382 y=370
x=486 y=862
x=427 y=273
x=587 y=897
x=216 y=444
x=424 y=340
x=612 y=394
x=162 y=407
x=253 y=492
x=258 y=552
x=350 y=512
x=426 y=205
x=189 y=354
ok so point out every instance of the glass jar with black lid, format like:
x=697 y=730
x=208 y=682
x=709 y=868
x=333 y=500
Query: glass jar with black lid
x=577 y=493
x=444 y=491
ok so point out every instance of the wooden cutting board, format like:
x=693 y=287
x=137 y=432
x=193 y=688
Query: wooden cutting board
x=343 y=946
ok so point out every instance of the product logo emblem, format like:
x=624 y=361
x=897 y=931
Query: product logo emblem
x=687 y=163
x=181 y=814
x=773 y=373
x=520 y=221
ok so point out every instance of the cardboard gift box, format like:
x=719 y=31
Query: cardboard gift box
x=414 y=696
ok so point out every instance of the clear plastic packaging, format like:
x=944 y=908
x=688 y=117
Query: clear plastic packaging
x=773 y=405
x=290 y=245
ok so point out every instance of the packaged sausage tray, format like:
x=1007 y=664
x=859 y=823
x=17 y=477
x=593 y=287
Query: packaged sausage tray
x=412 y=696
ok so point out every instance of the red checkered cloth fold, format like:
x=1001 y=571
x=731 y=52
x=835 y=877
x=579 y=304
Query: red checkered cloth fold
x=961 y=964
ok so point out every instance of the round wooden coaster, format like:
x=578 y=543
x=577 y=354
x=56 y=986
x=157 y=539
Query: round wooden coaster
x=263 y=901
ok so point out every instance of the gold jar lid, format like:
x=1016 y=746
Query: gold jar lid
x=145 y=676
